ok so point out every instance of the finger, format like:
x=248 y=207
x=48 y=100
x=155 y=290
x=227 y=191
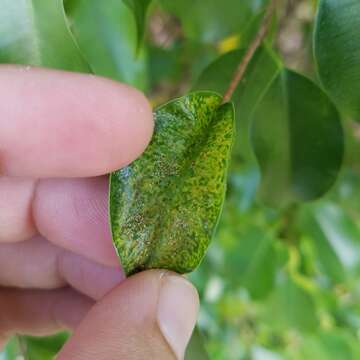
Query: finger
x=73 y=214
x=15 y=209
x=88 y=277
x=150 y=315
x=56 y=123
x=38 y=264
x=30 y=264
x=40 y=313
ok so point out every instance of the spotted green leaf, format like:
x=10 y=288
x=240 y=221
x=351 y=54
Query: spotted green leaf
x=165 y=206
x=35 y=32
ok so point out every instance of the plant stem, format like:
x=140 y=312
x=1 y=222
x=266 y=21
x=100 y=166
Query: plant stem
x=240 y=71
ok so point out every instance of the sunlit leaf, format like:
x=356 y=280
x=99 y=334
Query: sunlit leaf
x=164 y=207
x=105 y=31
x=298 y=140
x=35 y=32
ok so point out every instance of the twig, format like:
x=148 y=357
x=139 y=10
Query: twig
x=240 y=71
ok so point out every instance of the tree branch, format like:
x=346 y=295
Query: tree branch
x=240 y=71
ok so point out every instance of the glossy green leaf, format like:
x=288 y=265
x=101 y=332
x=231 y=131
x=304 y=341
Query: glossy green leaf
x=35 y=32
x=196 y=349
x=337 y=52
x=298 y=140
x=214 y=21
x=260 y=73
x=139 y=8
x=106 y=33
x=164 y=207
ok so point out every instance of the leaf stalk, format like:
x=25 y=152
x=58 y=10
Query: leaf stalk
x=254 y=45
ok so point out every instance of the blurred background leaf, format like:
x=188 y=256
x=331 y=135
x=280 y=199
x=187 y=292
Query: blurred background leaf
x=139 y=8
x=214 y=21
x=106 y=33
x=338 y=60
x=298 y=140
x=28 y=37
x=276 y=284
x=196 y=349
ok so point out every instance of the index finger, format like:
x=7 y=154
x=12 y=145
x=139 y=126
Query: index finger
x=61 y=124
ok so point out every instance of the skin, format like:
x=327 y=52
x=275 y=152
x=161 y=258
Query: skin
x=59 y=134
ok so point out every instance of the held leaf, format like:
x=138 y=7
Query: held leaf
x=164 y=207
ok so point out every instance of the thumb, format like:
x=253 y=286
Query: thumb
x=149 y=316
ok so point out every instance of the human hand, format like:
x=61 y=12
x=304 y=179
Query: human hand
x=59 y=134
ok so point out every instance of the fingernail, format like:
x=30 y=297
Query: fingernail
x=177 y=312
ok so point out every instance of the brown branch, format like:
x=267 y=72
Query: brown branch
x=260 y=36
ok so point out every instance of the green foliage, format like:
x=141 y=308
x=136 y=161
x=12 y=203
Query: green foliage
x=277 y=283
x=214 y=21
x=258 y=77
x=139 y=8
x=111 y=51
x=337 y=56
x=34 y=348
x=164 y=207
x=29 y=38
x=298 y=140
x=44 y=348
x=196 y=350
